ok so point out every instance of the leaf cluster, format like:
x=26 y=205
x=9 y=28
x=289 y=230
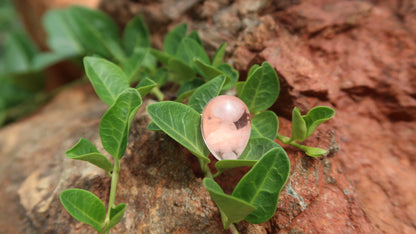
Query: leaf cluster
x=115 y=65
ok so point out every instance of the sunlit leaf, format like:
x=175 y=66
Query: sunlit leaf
x=115 y=124
x=84 y=206
x=232 y=209
x=107 y=78
x=182 y=123
x=86 y=151
x=205 y=93
x=261 y=186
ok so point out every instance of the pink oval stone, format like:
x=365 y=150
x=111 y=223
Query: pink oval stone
x=226 y=126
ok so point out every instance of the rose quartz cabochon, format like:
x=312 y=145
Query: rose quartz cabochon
x=226 y=126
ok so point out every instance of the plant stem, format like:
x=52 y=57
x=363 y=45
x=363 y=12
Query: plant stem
x=233 y=229
x=159 y=95
x=284 y=139
x=113 y=189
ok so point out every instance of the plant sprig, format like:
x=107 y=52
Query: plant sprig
x=115 y=65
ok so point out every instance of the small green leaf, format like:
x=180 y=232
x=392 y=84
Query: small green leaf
x=298 y=126
x=231 y=74
x=232 y=209
x=314 y=152
x=145 y=86
x=160 y=76
x=219 y=55
x=187 y=89
x=86 y=151
x=136 y=35
x=153 y=127
x=261 y=89
x=96 y=31
x=61 y=37
x=226 y=164
x=19 y=51
x=252 y=70
x=161 y=56
x=316 y=116
x=179 y=71
x=116 y=214
x=208 y=71
x=195 y=36
x=205 y=93
x=265 y=124
x=84 y=206
x=239 y=87
x=174 y=38
x=261 y=186
x=189 y=50
x=182 y=123
x=255 y=149
x=115 y=124
x=134 y=63
x=107 y=78
x=44 y=60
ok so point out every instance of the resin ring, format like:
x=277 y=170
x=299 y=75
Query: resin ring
x=226 y=126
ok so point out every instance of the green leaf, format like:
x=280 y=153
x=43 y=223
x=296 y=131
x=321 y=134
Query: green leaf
x=116 y=214
x=231 y=73
x=314 y=152
x=261 y=89
x=239 y=87
x=174 y=38
x=84 y=206
x=219 y=55
x=86 y=151
x=160 y=76
x=265 y=124
x=115 y=124
x=161 y=56
x=255 y=149
x=316 y=116
x=205 y=93
x=208 y=71
x=232 y=209
x=19 y=51
x=96 y=31
x=44 y=60
x=145 y=86
x=136 y=35
x=107 y=78
x=298 y=126
x=261 y=186
x=226 y=164
x=134 y=63
x=188 y=50
x=195 y=36
x=61 y=37
x=252 y=70
x=153 y=127
x=182 y=123
x=179 y=71
x=187 y=89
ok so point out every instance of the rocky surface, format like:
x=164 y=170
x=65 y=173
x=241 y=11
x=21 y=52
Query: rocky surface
x=356 y=56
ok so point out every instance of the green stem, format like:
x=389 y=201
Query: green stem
x=284 y=139
x=113 y=189
x=233 y=229
x=159 y=95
